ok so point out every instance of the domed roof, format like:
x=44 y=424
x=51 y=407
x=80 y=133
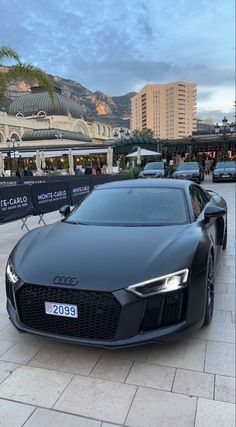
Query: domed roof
x=39 y=101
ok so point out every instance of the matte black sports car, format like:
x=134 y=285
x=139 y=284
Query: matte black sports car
x=189 y=170
x=153 y=170
x=224 y=171
x=134 y=263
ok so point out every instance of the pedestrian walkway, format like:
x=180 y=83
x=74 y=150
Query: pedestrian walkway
x=190 y=383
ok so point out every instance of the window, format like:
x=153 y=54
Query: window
x=198 y=200
x=136 y=206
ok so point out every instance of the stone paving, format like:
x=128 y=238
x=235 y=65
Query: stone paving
x=190 y=383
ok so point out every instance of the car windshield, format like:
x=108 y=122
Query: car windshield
x=154 y=166
x=226 y=165
x=142 y=206
x=188 y=166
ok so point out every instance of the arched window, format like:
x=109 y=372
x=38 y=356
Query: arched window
x=41 y=113
x=15 y=135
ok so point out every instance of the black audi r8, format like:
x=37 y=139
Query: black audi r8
x=133 y=263
x=189 y=170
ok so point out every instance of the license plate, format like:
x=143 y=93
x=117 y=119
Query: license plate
x=225 y=175
x=58 y=309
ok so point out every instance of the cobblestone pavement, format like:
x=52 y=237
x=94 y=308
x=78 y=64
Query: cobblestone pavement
x=45 y=383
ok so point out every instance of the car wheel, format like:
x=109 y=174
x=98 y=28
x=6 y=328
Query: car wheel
x=225 y=239
x=210 y=292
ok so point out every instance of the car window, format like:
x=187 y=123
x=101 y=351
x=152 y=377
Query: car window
x=226 y=165
x=197 y=199
x=188 y=166
x=154 y=166
x=206 y=197
x=138 y=206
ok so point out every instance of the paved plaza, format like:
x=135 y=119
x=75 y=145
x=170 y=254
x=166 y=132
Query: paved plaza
x=190 y=383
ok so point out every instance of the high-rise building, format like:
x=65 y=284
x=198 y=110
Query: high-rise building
x=168 y=109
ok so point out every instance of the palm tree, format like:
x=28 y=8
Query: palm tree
x=20 y=71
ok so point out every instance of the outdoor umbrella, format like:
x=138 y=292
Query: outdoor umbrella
x=1 y=165
x=144 y=153
x=139 y=156
x=38 y=163
x=43 y=160
x=71 y=162
x=110 y=160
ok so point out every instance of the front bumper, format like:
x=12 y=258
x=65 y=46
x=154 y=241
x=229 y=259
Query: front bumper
x=188 y=177
x=220 y=178
x=139 y=320
x=152 y=176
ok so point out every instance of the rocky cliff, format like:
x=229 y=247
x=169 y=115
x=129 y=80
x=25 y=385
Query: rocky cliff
x=98 y=106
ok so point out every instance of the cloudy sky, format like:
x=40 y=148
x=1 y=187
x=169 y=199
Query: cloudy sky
x=117 y=46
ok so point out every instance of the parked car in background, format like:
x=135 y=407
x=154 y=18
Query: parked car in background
x=133 y=263
x=224 y=171
x=153 y=170
x=189 y=170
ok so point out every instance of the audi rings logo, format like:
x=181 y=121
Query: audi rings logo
x=65 y=281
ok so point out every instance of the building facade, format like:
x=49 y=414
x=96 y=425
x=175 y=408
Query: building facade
x=36 y=110
x=168 y=109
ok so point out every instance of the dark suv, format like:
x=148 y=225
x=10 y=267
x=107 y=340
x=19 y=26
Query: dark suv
x=189 y=170
x=153 y=170
x=224 y=171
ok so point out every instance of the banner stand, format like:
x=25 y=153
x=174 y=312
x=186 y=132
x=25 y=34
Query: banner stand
x=41 y=219
x=24 y=224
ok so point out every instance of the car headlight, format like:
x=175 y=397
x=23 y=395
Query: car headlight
x=11 y=274
x=167 y=283
x=216 y=173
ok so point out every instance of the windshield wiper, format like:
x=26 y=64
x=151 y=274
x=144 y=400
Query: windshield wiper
x=76 y=222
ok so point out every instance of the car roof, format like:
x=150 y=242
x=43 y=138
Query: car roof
x=140 y=183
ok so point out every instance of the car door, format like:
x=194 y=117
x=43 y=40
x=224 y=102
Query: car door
x=199 y=200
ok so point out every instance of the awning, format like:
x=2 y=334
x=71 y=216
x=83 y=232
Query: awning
x=58 y=153
x=144 y=153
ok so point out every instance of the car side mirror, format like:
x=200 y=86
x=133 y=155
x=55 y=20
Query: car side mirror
x=65 y=210
x=213 y=212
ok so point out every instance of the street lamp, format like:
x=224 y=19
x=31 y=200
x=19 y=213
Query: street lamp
x=116 y=135
x=225 y=130
x=122 y=131
x=12 y=143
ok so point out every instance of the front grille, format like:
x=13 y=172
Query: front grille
x=9 y=291
x=98 y=312
x=164 y=310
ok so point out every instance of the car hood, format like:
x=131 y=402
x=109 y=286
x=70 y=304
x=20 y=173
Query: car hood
x=186 y=172
x=225 y=170
x=104 y=258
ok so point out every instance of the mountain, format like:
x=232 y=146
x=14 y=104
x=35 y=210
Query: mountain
x=113 y=110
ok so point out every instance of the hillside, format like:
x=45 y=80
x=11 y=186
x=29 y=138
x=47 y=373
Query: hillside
x=98 y=106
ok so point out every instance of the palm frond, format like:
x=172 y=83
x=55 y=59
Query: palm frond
x=7 y=53
x=30 y=73
x=3 y=89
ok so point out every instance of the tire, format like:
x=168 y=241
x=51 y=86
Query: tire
x=225 y=238
x=210 y=292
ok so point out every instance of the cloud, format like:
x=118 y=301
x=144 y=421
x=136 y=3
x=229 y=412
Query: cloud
x=118 y=47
